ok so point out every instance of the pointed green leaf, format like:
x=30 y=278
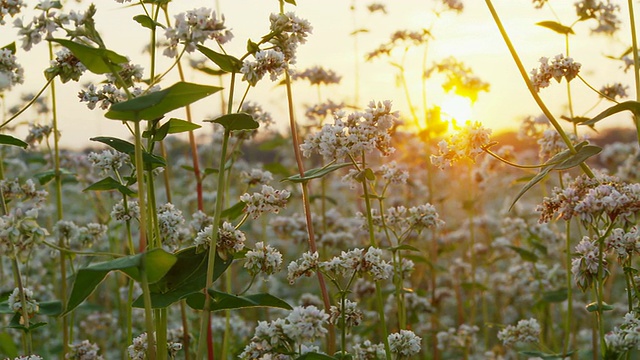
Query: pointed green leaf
x=46 y=176
x=8 y=346
x=110 y=183
x=98 y=61
x=155 y=105
x=187 y=276
x=234 y=211
x=405 y=247
x=252 y=47
x=556 y=26
x=237 y=121
x=147 y=22
x=10 y=140
x=179 y=126
x=227 y=63
x=525 y=254
x=581 y=156
x=632 y=106
x=11 y=47
x=593 y=307
x=156 y=262
x=555 y=296
x=316 y=173
x=224 y=301
x=151 y=161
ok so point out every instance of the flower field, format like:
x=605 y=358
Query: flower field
x=341 y=229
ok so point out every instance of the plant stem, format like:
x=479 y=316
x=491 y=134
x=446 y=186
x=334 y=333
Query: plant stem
x=569 y=317
x=146 y=294
x=636 y=62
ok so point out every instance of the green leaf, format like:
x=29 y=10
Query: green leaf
x=252 y=47
x=525 y=254
x=187 y=276
x=156 y=262
x=46 y=176
x=276 y=168
x=555 y=296
x=593 y=307
x=8 y=346
x=14 y=323
x=632 y=106
x=177 y=126
x=547 y=356
x=556 y=26
x=154 y=105
x=147 y=22
x=316 y=173
x=98 y=61
x=404 y=247
x=473 y=285
x=224 y=301
x=110 y=183
x=10 y=140
x=11 y=47
x=237 y=121
x=317 y=356
x=581 y=156
x=234 y=211
x=227 y=63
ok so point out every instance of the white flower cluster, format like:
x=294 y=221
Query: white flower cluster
x=170 y=221
x=613 y=91
x=525 y=331
x=464 y=337
x=289 y=31
x=66 y=65
x=352 y=314
x=257 y=113
x=292 y=227
x=585 y=267
x=37 y=133
x=11 y=73
x=559 y=67
x=358 y=133
x=138 y=349
x=194 y=27
x=625 y=337
x=29 y=357
x=230 y=240
x=11 y=8
x=368 y=351
x=15 y=303
x=623 y=243
x=266 y=61
x=467 y=143
x=129 y=74
x=267 y=200
x=318 y=75
x=362 y=262
x=108 y=161
x=20 y=233
x=109 y=94
x=305 y=266
x=256 y=177
x=302 y=326
x=404 y=344
x=122 y=214
x=402 y=38
x=394 y=174
x=84 y=350
x=605 y=12
x=263 y=259
x=200 y=220
x=318 y=112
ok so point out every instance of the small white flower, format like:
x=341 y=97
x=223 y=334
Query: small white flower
x=405 y=343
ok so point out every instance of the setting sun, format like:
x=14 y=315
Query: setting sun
x=455 y=107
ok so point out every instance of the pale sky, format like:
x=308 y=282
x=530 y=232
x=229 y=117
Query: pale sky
x=471 y=37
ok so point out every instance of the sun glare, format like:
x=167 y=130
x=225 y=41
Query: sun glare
x=455 y=107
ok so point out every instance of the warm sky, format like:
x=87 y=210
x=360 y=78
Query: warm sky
x=471 y=37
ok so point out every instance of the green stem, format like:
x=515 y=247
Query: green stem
x=27 y=105
x=533 y=92
x=146 y=295
x=636 y=62
x=569 y=315
x=139 y=164
x=600 y=286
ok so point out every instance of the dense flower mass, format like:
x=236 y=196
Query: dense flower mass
x=263 y=259
x=11 y=73
x=359 y=132
x=10 y=8
x=318 y=75
x=525 y=331
x=267 y=200
x=560 y=67
x=405 y=343
x=193 y=28
x=467 y=143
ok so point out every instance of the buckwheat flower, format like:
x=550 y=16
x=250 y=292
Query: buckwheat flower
x=585 y=267
x=263 y=259
x=13 y=190
x=604 y=12
x=108 y=161
x=404 y=344
x=121 y=214
x=170 y=221
x=525 y=331
x=258 y=114
x=559 y=67
x=394 y=174
x=37 y=133
x=319 y=112
x=318 y=75
x=368 y=351
x=266 y=61
x=256 y=177
x=15 y=303
x=195 y=27
x=91 y=233
x=20 y=233
x=289 y=31
x=400 y=38
x=84 y=350
x=377 y=7
x=305 y=324
x=129 y=73
x=613 y=91
x=200 y=220
x=464 y=337
x=625 y=337
x=66 y=65
x=65 y=230
x=623 y=244
x=138 y=349
x=467 y=143
x=267 y=200
x=11 y=73
x=424 y=217
x=360 y=262
x=352 y=314
x=305 y=266
x=11 y=8
x=29 y=357
x=105 y=96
